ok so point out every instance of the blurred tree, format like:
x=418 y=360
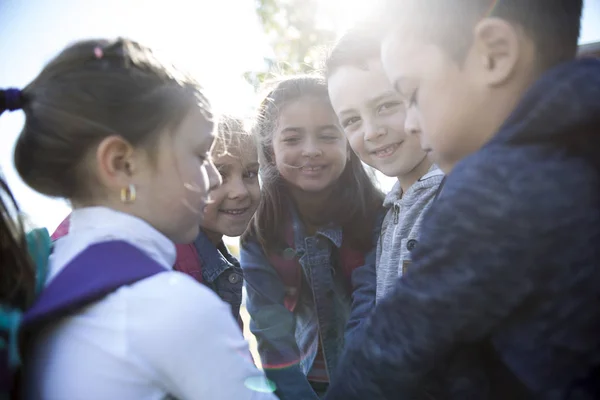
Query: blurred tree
x=295 y=35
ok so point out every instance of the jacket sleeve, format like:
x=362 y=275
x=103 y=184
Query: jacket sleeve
x=475 y=246
x=364 y=285
x=273 y=325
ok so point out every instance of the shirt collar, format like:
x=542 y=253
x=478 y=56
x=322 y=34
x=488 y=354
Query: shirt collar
x=330 y=231
x=98 y=224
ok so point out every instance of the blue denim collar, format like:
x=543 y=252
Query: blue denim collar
x=214 y=259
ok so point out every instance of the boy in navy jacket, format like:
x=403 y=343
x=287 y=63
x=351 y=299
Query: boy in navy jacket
x=509 y=258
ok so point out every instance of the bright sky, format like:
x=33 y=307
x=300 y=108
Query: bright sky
x=217 y=40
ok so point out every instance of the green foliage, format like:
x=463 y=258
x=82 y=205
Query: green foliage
x=292 y=28
x=234 y=248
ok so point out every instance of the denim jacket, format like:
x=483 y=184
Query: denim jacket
x=288 y=341
x=221 y=272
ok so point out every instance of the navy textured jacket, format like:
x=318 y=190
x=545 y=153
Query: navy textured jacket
x=509 y=261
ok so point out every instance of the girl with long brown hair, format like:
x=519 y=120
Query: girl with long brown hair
x=308 y=257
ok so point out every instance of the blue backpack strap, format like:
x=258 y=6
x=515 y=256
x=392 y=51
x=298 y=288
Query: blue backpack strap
x=99 y=270
x=39 y=246
x=10 y=360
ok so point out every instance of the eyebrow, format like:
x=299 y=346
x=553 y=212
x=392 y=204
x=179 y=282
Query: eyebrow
x=253 y=165
x=372 y=101
x=346 y=112
x=382 y=96
x=292 y=129
x=327 y=127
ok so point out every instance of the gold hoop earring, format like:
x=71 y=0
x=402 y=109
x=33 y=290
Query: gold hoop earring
x=128 y=194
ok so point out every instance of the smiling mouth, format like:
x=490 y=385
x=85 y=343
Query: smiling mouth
x=235 y=211
x=312 y=168
x=387 y=150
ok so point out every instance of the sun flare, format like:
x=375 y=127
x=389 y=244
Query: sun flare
x=340 y=15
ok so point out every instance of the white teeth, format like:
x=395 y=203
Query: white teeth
x=387 y=151
x=234 y=212
x=312 y=169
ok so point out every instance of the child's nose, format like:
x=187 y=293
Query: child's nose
x=374 y=131
x=411 y=123
x=311 y=149
x=237 y=189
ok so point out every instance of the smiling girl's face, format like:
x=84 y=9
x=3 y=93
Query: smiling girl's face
x=309 y=149
x=234 y=202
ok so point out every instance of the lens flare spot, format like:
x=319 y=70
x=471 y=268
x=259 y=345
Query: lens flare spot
x=260 y=384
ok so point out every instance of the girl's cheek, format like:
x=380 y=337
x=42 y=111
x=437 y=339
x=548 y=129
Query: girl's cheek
x=196 y=177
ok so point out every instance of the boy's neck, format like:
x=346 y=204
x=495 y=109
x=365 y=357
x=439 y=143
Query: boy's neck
x=409 y=179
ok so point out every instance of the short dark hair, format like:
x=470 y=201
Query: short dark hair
x=94 y=89
x=553 y=25
x=355 y=48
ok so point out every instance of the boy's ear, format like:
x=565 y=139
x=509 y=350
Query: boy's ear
x=497 y=50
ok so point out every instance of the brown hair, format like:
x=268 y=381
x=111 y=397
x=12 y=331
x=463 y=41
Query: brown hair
x=356 y=199
x=17 y=281
x=94 y=89
x=233 y=135
x=552 y=25
x=355 y=48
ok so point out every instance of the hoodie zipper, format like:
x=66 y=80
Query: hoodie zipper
x=396 y=213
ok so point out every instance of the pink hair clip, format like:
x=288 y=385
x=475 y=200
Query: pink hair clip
x=98 y=52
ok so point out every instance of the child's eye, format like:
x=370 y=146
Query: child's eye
x=349 y=121
x=251 y=174
x=291 y=140
x=387 y=106
x=329 y=137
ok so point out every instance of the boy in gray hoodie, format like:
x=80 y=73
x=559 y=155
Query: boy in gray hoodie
x=374 y=120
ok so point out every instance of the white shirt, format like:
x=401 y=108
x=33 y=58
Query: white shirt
x=163 y=336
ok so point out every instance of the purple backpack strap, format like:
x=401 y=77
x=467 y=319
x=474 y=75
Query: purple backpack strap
x=99 y=270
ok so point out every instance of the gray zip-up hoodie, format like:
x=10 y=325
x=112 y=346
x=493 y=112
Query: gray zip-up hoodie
x=401 y=227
